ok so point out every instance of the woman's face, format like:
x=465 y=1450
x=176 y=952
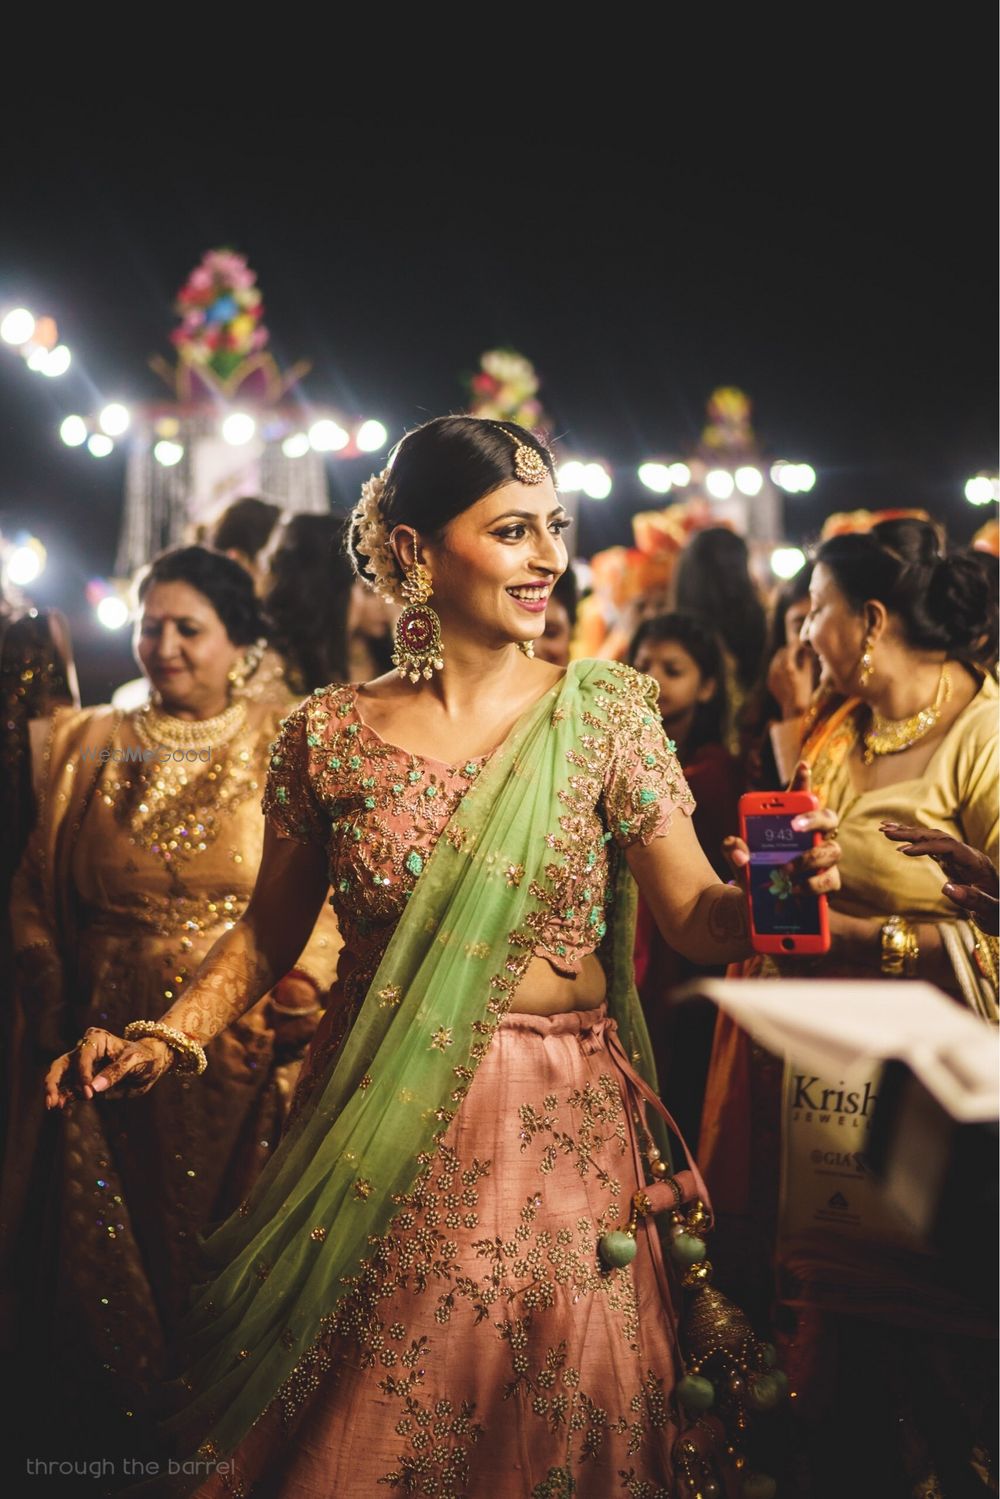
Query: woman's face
x=834 y=630
x=495 y=565
x=678 y=676
x=182 y=647
x=368 y=614
x=795 y=617
x=555 y=640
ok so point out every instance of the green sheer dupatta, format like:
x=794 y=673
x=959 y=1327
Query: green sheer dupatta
x=303 y=1242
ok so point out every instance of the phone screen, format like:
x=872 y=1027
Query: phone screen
x=779 y=906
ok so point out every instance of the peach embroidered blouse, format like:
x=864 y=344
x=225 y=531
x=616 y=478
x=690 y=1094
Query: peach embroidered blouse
x=379 y=810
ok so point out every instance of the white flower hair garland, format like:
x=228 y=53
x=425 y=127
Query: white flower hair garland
x=373 y=539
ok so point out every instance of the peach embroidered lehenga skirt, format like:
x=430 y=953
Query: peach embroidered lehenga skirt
x=489 y=1353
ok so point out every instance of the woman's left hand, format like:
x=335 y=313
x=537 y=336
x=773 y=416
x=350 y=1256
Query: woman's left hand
x=818 y=869
x=293 y=1013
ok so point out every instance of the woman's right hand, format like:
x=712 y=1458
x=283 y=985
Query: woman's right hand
x=103 y=1063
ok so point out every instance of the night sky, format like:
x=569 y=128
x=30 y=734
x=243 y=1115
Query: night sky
x=834 y=259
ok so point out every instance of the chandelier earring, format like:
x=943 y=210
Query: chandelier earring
x=244 y=668
x=417 y=632
x=867 y=663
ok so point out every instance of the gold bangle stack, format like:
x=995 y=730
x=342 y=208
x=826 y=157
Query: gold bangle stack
x=900 y=948
x=986 y=949
x=190 y=1056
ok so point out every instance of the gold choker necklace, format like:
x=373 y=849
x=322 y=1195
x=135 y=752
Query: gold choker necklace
x=154 y=727
x=888 y=736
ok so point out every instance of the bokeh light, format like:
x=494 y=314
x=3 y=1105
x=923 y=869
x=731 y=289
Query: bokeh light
x=73 y=431
x=112 y=612
x=656 y=476
x=114 y=419
x=787 y=561
x=370 y=437
x=719 y=483
x=17 y=327
x=168 y=453
x=326 y=436
x=596 y=481
x=238 y=428
x=749 y=480
x=25 y=562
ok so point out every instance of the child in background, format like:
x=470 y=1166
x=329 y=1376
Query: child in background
x=684 y=657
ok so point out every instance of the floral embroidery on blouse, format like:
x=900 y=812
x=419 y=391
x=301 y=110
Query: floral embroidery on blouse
x=378 y=811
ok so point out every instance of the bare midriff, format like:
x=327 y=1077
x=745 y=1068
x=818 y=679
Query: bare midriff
x=543 y=991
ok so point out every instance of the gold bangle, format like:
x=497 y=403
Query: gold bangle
x=189 y=1055
x=898 y=948
x=986 y=950
x=280 y=1009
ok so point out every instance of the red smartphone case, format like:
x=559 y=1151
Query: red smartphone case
x=786 y=804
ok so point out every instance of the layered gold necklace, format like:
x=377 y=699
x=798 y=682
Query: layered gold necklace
x=173 y=808
x=154 y=727
x=888 y=736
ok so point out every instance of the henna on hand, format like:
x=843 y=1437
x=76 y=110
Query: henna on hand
x=234 y=975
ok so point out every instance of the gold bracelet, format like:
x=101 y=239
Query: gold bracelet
x=900 y=948
x=986 y=950
x=190 y=1056
x=280 y=1009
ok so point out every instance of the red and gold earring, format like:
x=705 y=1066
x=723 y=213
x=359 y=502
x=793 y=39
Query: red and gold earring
x=417 y=632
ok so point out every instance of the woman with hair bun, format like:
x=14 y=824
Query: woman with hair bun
x=445 y=1283
x=899 y=628
x=147 y=843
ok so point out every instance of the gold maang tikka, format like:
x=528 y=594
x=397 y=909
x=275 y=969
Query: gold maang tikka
x=529 y=465
x=417 y=632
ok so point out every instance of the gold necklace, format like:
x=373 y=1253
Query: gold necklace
x=154 y=727
x=887 y=736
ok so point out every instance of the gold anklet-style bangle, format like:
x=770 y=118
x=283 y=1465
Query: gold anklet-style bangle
x=190 y=1054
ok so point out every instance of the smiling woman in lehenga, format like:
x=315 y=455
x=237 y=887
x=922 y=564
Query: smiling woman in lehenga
x=412 y=1296
x=146 y=848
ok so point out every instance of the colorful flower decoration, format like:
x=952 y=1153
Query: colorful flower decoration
x=987 y=538
x=728 y=427
x=625 y=576
x=505 y=389
x=220 y=308
x=846 y=522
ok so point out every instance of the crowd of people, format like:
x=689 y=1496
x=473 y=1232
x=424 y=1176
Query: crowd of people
x=411 y=884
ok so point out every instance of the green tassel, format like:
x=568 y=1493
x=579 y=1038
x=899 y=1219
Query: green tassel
x=695 y=1393
x=617 y=1249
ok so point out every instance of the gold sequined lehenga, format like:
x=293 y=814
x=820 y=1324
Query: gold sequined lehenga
x=133 y=871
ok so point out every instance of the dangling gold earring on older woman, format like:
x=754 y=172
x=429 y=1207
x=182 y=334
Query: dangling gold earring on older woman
x=245 y=667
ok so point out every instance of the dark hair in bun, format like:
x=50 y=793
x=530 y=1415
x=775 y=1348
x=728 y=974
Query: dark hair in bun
x=442 y=468
x=227 y=587
x=942 y=601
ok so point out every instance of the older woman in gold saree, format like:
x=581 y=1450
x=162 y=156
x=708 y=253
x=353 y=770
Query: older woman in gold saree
x=145 y=851
x=913 y=740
